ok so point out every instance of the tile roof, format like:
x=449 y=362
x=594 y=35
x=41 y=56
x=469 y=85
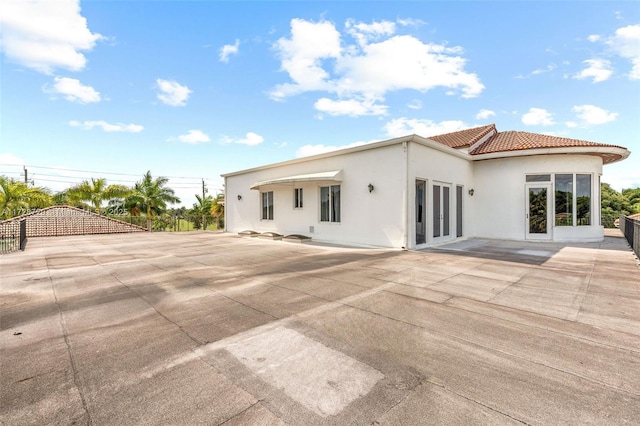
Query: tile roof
x=517 y=141
x=463 y=138
x=510 y=141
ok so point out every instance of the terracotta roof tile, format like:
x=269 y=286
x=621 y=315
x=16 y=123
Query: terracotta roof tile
x=463 y=138
x=517 y=141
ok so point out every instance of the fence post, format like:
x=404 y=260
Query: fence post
x=23 y=234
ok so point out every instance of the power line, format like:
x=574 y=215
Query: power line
x=102 y=173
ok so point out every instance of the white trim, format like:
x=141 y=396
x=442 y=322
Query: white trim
x=584 y=150
x=374 y=145
x=482 y=140
x=333 y=176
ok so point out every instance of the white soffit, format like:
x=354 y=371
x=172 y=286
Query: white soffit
x=333 y=176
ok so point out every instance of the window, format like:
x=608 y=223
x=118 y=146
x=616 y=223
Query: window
x=297 y=198
x=267 y=205
x=538 y=178
x=330 y=203
x=583 y=200
x=573 y=199
x=564 y=200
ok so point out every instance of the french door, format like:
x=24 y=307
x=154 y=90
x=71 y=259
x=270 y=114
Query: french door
x=441 y=212
x=538 y=212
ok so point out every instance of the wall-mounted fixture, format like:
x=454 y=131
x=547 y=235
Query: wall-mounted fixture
x=471 y=192
x=239 y=197
x=370 y=188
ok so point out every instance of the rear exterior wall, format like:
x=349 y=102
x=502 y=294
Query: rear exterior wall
x=367 y=218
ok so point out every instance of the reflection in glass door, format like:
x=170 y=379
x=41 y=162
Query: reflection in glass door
x=537 y=216
x=421 y=213
x=441 y=212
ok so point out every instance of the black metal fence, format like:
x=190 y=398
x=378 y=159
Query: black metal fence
x=631 y=230
x=13 y=236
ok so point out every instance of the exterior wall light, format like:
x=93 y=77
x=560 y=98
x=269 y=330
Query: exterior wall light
x=370 y=188
x=239 y=197
x=471 y=192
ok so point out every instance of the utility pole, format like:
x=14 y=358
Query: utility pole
x=204 y=221
x=26 y=178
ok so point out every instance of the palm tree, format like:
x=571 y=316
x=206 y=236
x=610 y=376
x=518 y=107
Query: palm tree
x=96 y=192
x=203 y=207
x=217 y=210
x=151 y=196
x=18 y=198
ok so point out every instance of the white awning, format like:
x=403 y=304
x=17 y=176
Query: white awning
x=333 y=176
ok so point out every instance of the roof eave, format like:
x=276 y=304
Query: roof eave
x=601 y=151
x=373 y=145
x=364 y=147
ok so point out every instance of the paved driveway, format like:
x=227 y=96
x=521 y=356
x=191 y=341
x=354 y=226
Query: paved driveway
x=204 y=328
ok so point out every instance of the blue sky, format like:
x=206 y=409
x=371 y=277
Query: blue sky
x=190 y=90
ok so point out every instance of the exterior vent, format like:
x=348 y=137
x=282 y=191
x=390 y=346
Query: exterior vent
x=311 y=229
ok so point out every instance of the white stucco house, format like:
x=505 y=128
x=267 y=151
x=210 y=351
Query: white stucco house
x=412 y=192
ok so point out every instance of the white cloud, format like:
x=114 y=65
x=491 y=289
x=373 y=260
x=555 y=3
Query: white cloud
x=173 y=93
x=308 y=150
x=365 y=33
x=408 y=126
x=591 y=115
x=415 y=104
x=626 y=44
x=73 y=90
x=537 y=117
x=622 y=180
x=194 y=136
x=538 y=71
x=301 y=56
x=548 y=68
x=45 y=35
x=411 y=22
x=107 y=127
x=350 y=107
x=571 y=124
x=483 y=114
x=7 y=159
x=317 y=58
x=250 y=139
x=598 y=69
x=228 y=50
x=593 y=38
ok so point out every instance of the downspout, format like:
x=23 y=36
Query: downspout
x=405 y=197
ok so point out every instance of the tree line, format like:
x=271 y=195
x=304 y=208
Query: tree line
x=616 y=203
x=148 y=198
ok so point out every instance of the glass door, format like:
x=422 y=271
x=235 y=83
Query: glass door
x=441 y=212
x=421 y=213
x=538 y=213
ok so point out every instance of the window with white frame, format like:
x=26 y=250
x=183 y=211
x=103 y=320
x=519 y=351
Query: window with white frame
x=330 y=203
x=267 y=205
x=297 y=198
x=573 y=194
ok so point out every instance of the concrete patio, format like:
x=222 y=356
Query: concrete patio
x=206 y=328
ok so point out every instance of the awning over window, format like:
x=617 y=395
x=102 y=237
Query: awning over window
x=333 y=176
